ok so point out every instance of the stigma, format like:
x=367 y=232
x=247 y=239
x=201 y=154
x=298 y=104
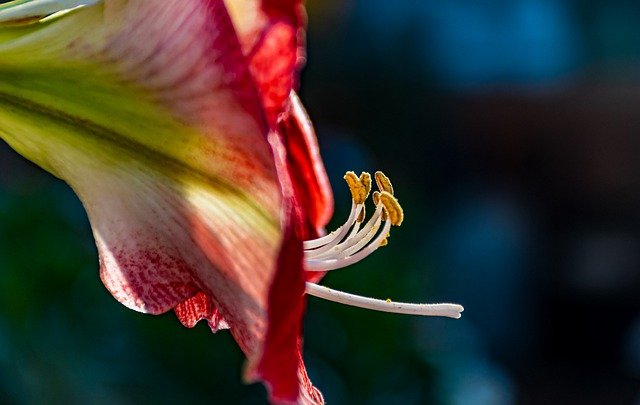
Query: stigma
x=356 y=239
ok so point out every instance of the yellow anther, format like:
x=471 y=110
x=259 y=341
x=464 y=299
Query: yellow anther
x=393 y=208
x=376 y=201
x=383 y=182
x=365 y=179
x=384 y=242
x=358 y=190
x=389 y=300
x=361 y=215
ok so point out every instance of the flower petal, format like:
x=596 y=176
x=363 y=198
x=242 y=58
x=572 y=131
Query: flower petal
x=162 y=234
x=272 y=37
x=280 y=363
x=200 y=104
x=184 y=102
x=197 y=308
x=157 y=118
x=309 y=177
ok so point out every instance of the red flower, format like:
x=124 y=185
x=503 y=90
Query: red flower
x=178 y=126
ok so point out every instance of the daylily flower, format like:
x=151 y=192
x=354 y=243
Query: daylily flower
x=177 y=125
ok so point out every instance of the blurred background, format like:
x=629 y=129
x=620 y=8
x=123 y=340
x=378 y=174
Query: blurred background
x=511 y=131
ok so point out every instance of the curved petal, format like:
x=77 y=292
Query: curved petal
x=309 y=177
x=280 y=363
x=197 y=308
x=177 y=98
x=162 y=233
x=156 y=114
x=149 y=111
x=271 y=33
x=272 y=37
x=195 y=100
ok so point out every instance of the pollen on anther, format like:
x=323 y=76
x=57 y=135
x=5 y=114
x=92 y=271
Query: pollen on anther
x=393 y=208
x=389 y=300
x=359 y=192
x=365 y=179
x=376 y=201
x=376 y=197
x=383 y=182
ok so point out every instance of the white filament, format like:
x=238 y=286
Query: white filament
x=334 y=264
x=354 y=242
x=338 y=246
x=338 y=235
x=448 y=310
x=314 y=243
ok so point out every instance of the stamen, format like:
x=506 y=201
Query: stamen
x=376 y=201
x=365 y=179
x=359 y=191
x=383 y=182
x=393 y=208
x=360 y=188
x=448 y=310
x=323 y=240
x=351 y=244
x=355 y=211
x=337 y=252
x=356 y=240
x=334 y=264
x=362 y=215
x=376 y=197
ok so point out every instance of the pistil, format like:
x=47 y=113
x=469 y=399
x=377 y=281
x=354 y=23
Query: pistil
x=448 y=310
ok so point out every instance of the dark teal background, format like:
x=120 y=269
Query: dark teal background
x=510 y=130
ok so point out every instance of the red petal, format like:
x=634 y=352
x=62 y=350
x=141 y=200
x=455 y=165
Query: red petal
x=187 y=58
x=272 y=65
x=280 y=365
x=272 y=37
x=212 y=226
x=310 y=182
x=147 y=279
x=140 y=265
x=279 y=55
x=197 y=308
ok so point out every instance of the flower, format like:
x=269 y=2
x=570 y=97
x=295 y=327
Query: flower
x=178 y=126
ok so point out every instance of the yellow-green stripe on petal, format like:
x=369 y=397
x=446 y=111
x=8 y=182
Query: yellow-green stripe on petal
x=79 y=66
x=168 y=119
x=152 y=118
